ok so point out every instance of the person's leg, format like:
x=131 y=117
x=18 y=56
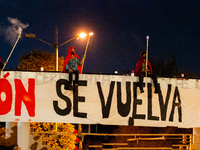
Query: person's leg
x=70 y=79
x=141 y=77
x=154 y=78
x=76 y=72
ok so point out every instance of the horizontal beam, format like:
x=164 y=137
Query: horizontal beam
x=107 y=134
x=154 y=148
x=147 y=139
x=95 y=145
x=180 y=145
x=51 y=133
x=115 y=143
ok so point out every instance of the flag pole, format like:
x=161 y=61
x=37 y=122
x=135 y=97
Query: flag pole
x=147 y=53
x=85 y=52
x=90 y=34
x=11 y=51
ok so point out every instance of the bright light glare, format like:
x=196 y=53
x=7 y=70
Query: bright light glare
x=82 y=35
x=91 y=34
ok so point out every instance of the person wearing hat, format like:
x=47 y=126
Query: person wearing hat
x=141 y=70
x=73 y=65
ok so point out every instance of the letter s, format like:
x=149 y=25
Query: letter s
x=67 y=110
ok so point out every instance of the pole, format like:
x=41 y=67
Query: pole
x=23 y=135
x=196 y=138
x=86 y=51
x=56 y=49
x=12 y=51
x=147 y=53
x=9 y=130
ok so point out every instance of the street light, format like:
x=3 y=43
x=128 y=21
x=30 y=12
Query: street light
x=34 y=37
x=81 y=35
x=90 y=34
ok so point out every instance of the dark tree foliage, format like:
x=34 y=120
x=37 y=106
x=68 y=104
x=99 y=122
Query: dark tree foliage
x=37 y=59
x=168 y=68
x=165 y=68
x=171 y=66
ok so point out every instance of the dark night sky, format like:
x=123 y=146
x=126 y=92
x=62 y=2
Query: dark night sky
x=120 y=28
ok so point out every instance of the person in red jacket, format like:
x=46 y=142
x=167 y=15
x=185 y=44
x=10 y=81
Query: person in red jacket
x=141 y=70
x=73 y=65
x=1 y=64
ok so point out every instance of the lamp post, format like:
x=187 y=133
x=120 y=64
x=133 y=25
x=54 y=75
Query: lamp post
x=90 y=34
x=56 y=43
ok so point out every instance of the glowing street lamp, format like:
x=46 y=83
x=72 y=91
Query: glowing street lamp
x=90 y=34
x=81 y=35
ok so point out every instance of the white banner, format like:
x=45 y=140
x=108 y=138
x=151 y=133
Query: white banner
x=103 y=99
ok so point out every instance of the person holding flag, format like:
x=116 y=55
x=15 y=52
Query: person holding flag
x=142 y=69
x=73 y=65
